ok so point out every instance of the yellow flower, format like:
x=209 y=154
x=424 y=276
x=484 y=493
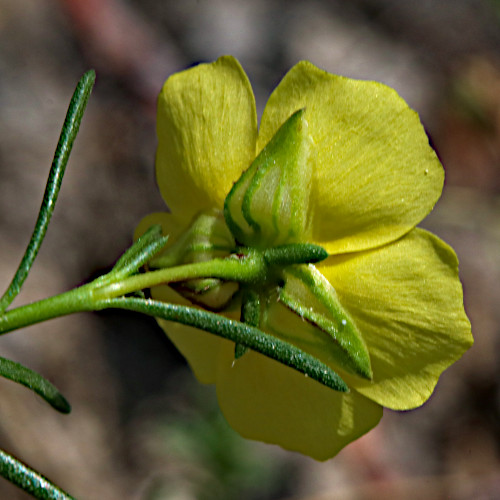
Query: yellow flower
x=373 y=178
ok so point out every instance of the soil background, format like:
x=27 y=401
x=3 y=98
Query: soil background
x=141 y=427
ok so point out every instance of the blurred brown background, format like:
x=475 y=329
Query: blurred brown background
x=141 y=428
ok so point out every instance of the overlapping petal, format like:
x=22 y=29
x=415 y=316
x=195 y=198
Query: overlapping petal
x=201 y=349
x=207 y=129
x=376 y=175
x=374 y=178
x=171 y=224
x=407 y=300
x=267 y=401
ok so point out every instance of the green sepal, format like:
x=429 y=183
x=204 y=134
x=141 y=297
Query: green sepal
x=207 y=238
x=268 y=204
x=34 y=381
x=323 y=325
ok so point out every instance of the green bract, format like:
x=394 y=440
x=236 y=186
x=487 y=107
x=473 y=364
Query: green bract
x=336 y=163
x=268 y=205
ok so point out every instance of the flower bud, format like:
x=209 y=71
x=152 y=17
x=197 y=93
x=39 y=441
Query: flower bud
x=268 y=205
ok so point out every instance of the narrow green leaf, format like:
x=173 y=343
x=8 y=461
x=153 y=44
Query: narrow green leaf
x=235 y=331
x=34 y=381
x=29 y=480
x=61 y=157
x=142 y=251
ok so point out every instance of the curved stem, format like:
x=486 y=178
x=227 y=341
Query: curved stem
x=246 y=269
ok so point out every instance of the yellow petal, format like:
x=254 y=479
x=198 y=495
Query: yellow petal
x=169 y=223
x=267 y=401
x=407 y=301
x=307 y=313
x=200 y=349
x=376 y=176
x=207 y=130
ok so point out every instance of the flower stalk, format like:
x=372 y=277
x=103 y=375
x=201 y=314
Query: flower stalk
x=109 y=291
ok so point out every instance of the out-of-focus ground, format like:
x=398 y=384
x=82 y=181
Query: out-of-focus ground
x=141 y=428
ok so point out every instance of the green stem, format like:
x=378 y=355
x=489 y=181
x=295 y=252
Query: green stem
x=77 y=300
x=250 y=267
x=100 y=294
x=61 y=156
x=247 y=269
x=86 y=297
x=82 y=299
x=250 y=307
